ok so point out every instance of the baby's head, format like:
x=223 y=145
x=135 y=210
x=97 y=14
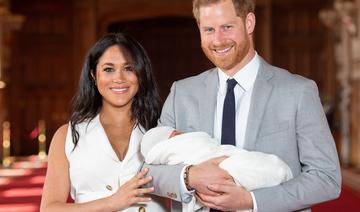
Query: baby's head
x=156 y=135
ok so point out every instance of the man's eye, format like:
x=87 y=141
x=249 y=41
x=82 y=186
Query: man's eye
x=208 y=30
x=227 y=27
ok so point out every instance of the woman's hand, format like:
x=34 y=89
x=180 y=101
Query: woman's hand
x=130 y=193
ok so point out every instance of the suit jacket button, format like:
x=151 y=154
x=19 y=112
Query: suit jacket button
x=171 y=195
x=108 y=187
x=142 y=209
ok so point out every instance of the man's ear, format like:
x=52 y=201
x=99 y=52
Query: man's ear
x=250 y=22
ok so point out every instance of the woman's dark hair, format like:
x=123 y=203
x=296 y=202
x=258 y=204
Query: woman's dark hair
x=87 y=102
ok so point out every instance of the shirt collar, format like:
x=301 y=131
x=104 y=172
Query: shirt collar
x=245 y=77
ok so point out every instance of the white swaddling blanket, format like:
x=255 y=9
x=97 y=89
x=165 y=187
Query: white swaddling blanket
x=251 y=170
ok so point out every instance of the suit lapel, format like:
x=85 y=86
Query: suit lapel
x=207 y=101
x=259 y=99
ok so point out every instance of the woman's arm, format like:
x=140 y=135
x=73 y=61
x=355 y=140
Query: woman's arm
x=57 y=184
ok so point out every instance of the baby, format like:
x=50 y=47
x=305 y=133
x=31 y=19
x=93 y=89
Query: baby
x=250 y=169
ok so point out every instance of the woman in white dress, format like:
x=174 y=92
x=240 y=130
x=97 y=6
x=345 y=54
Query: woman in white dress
x=96 y=157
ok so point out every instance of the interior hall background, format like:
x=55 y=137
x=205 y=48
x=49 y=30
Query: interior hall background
x=43 y=44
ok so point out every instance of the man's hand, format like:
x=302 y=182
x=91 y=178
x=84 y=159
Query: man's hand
x=206 y=173
x=231 y=198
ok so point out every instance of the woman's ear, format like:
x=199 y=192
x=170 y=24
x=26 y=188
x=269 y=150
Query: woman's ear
x=250 y=22
x=92 y=76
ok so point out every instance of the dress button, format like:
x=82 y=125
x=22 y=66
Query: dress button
x=142 y=209
x=108 y=187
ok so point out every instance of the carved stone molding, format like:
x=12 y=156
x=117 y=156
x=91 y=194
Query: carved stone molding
x=344 y=20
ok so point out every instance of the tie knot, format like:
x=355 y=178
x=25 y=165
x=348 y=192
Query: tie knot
x=231 y=84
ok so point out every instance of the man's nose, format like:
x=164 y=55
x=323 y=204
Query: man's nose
x=218 y=37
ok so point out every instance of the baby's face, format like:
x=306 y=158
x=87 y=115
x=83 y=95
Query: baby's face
x=174 y=133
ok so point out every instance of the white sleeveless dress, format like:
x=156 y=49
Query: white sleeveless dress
x=94 y=168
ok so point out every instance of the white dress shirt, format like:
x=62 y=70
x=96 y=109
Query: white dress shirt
x=242 y=91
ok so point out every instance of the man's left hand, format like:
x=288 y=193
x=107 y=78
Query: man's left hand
x=231 y=197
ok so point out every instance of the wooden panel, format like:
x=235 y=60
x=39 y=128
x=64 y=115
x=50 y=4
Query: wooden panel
x=111 y=11
x=84 y=33
x=303 y=45
x=41 y=81
x=263 y=33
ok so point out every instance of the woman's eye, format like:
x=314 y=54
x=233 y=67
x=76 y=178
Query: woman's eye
x=108 y=69
x=129 y=68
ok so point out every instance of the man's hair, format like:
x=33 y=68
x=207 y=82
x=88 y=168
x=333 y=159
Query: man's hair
x=242 y=7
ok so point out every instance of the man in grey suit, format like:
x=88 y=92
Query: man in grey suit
x=276 y=112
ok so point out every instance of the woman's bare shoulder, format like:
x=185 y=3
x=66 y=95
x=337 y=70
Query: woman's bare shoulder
x=59 y=138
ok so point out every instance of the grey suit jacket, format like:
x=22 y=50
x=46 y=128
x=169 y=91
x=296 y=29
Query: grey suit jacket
x=286 y=118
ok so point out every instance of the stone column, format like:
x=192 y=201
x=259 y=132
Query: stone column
x=344 y=19
x=355 y=83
